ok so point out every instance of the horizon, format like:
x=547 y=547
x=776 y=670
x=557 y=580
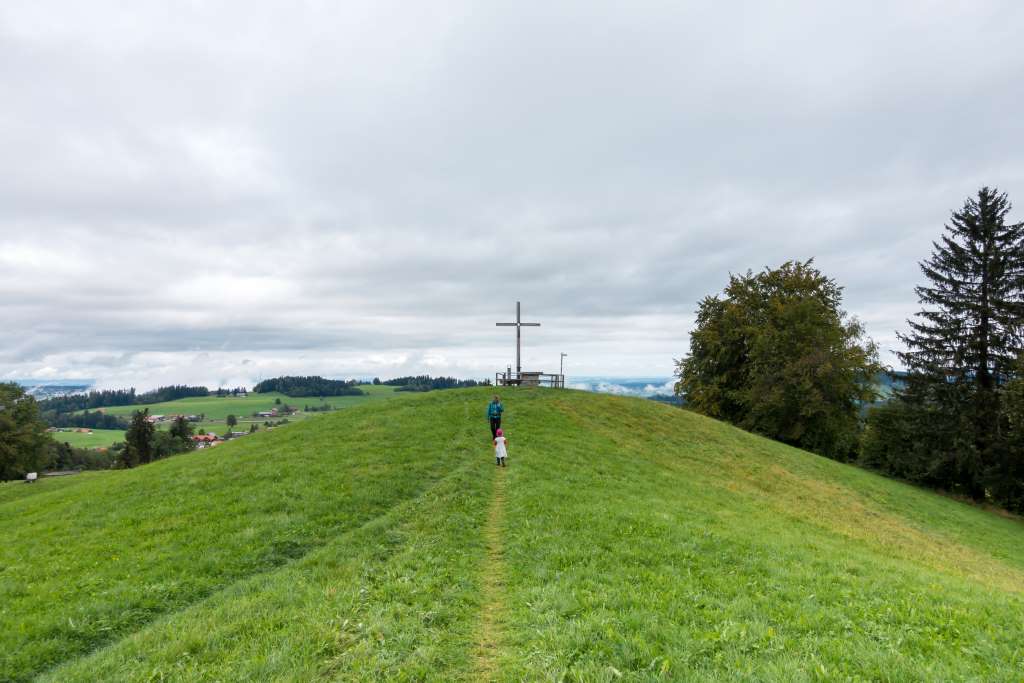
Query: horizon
x=573 y=382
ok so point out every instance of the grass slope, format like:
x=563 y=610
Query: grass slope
x=626 y=541
x=83 y=565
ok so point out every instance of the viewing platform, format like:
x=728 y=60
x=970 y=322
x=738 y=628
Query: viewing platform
x=528 y=379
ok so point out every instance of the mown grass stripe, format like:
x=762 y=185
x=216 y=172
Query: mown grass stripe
x=493 y=572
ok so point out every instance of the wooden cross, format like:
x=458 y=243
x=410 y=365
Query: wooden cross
x=518 y=324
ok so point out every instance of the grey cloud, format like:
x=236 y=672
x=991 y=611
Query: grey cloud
x=373 y=185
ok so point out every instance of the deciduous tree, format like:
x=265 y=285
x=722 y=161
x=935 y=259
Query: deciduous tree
x=24 y=445
x=777 y=355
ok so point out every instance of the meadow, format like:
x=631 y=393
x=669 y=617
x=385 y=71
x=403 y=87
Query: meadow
x=216 y=409
x=627 y=540
x=100 y=438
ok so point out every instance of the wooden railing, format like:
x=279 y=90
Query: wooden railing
x=529 y=379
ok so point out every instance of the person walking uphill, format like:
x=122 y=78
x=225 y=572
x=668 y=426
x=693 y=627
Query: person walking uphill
x=494 y=411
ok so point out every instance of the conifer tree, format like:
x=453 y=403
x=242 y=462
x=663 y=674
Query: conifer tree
x=962 y=346
x=139 y=439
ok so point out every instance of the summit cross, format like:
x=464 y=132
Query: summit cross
x=518 y=324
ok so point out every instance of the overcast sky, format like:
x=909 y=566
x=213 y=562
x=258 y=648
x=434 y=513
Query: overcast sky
x=219 y=192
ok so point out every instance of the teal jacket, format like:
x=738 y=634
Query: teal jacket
x=494 y=409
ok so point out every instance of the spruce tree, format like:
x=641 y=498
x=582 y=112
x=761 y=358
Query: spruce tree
x=139 y=439
x=963 y=344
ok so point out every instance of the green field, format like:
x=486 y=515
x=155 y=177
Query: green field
x=100 y=438
x=627 y=540
x=14 y=490
x=217 y=409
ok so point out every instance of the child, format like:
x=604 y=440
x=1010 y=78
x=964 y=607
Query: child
x=499 y=449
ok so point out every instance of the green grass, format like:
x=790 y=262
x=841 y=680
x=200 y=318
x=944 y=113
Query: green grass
x=217 y=409
x=13 y=490
x=627 y=540
x=100 y=438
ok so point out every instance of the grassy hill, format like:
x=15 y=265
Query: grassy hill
x=627 y=540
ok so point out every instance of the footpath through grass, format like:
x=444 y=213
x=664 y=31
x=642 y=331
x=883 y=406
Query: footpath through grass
x=626 y=541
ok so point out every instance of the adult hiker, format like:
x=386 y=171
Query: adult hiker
x=494 y=411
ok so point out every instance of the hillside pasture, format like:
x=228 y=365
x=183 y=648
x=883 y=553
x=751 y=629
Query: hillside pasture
x=627 y=540
x=216 y=409
x=174 y=532
x=99 y=438
x=15 y=490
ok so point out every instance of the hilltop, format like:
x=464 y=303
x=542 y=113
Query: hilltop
x=627 y=540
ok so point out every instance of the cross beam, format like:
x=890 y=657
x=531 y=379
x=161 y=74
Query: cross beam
x=518 y=324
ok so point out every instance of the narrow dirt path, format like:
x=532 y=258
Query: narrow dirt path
x=491 y=627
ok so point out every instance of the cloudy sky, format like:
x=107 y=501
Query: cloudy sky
x=218 y=192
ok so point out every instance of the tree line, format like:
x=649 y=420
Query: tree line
x=119 y=397
x=776 y=354
x=428 y=383
x=312 y=385
x=86 y=419
x=26 y=447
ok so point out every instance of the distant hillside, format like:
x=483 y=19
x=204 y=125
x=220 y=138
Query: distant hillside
x=48 y=388
x=644 y=387
x=627 y=540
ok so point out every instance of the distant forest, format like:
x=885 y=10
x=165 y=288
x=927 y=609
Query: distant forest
x=118 y=397
x=313 y=385
x=428 y=383
x=87 y=419
x=62 y=411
